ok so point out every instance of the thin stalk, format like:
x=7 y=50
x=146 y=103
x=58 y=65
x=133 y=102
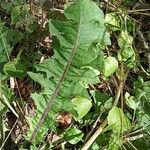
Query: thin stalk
x=137 y=10
x=9 y=106
x=118 y=94
x=93 y=127
x=1 y=128
x=140 y=13
x=95 y=135
x=133 y=138
x=132 y=145
x=103 y=125
x=8 y=134
x=21 y=100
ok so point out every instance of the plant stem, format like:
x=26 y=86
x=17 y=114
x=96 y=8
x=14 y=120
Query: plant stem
x=95 y=135
x=8 y=135
x=103 y=125
x=1 y=128
x=93 y=127
x=118 y=94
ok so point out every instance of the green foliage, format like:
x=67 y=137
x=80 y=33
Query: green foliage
x=111 y=65
x=8 y=39
x=95 y=79
x=73 y=135
x=130 y=2
x=131 y=101
x=84 y=30
x=118 y=123
x=4 y=91
x=114 y=21
x=127 y=53
x=117 y=120
x=18 y=14
x=6 y=5
x=101 y=141
x=15 y=68
x=115 y=142
x=80 y=104
x=142 y=96
x=125 y=40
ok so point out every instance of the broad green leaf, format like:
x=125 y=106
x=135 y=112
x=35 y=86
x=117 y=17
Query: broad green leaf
x=73 y=135
x=117 y=120
x=50 y=122
x=99 y=62
x=81 y=29
x=111 y=65
x=40 y=102
x=84 y=31
x=80 y=103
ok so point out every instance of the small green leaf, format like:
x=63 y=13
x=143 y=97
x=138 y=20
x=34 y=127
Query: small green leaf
x=130 y=2
x=73 y=135
x=117 y=120
x=130 y=100
x=15 y=68
x=111 y=65
x=126 y=53
x=113 y=20
x=31 y=24
x=7 y=92
x=82 y=106
x=18 y=14
x=143 y=119
x=115 y=142
x=33 y=148
x=125 y=40
x=6 y=5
